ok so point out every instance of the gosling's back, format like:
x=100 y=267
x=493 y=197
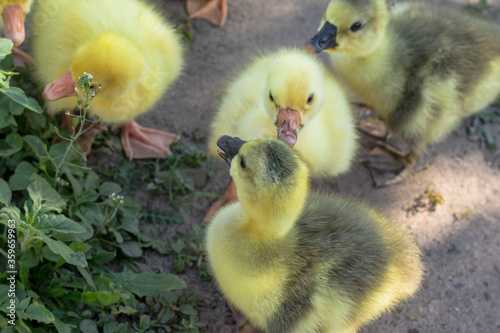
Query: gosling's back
x=351 y=264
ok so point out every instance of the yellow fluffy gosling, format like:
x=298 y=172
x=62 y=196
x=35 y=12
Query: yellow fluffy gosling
x=294 y=261
x=422 y=68
x=289 y=94
x=130 y=50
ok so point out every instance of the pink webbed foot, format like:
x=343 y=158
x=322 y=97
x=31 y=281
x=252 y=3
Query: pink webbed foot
x=140 y=142
x=214 y=11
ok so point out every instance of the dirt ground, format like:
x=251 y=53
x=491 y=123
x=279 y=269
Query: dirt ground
x=461 y=289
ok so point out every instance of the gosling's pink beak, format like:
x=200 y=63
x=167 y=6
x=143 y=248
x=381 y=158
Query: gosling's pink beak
x=288 y=124
x=60 y=88
x=13 y=18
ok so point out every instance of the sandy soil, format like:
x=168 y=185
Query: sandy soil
x=461 y=290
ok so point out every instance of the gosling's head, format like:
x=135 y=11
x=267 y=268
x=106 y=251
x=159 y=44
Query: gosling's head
x=354 y=27
x=271 y=180
x=294 y=93
x=115 y=63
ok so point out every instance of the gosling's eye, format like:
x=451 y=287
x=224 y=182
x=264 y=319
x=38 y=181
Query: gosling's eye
x=242 y=163
x=310 y=99
x=92 y=86
x=355 y=26
x=271 y=97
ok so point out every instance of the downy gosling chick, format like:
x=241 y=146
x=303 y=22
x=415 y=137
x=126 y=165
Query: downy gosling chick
x=421 y=67
x=291 y=95
x=128 y=47
x=294 y=261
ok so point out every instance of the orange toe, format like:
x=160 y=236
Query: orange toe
x=140 y=142
x=213 y=11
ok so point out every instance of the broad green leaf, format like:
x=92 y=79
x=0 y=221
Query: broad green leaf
x=165 y=315
x=6 y=46
x=4 y=289
x=22 y=327
x=92 y=181
x=37 y=145
x=48 y=223
x=188 y=310
x=11 y=329
x=5 y=193
x=45 y=196
x=57 y=150
x=12 y=213
x=62 y=327
x=86 y=276
x=127 y=310
x=11 y=144
x=87 y=197
x=103 y=283
x=80 y=237
x=147 y=284
x=96 y=298
x=20 y=180
x=23 y=305
x=49 y=255
x=118 y=236
x=18 y=96
x=38 y=122
x=15 y=109
x=29 y=258
x=92 y=214
x=131 y=249
x=122 y=328
x=109 y=327
x=103 y=257
x=80 y=247
x=130 y=223
x=24 y=274
x=109 y=188
x=144 y=322
x=65 y=251
x=88 y=326
x=39 y=313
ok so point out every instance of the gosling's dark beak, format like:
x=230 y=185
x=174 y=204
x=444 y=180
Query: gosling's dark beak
x=229 y=147
x=324 y=39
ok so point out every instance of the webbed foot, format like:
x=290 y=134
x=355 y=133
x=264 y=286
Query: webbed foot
x=388 y=165
x=214 y=11
x=141 y=142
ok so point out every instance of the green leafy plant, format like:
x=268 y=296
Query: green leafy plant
x=169 y=177
x=481 y=127
x=78 y=238
x=189 y=252
x=126 y=174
